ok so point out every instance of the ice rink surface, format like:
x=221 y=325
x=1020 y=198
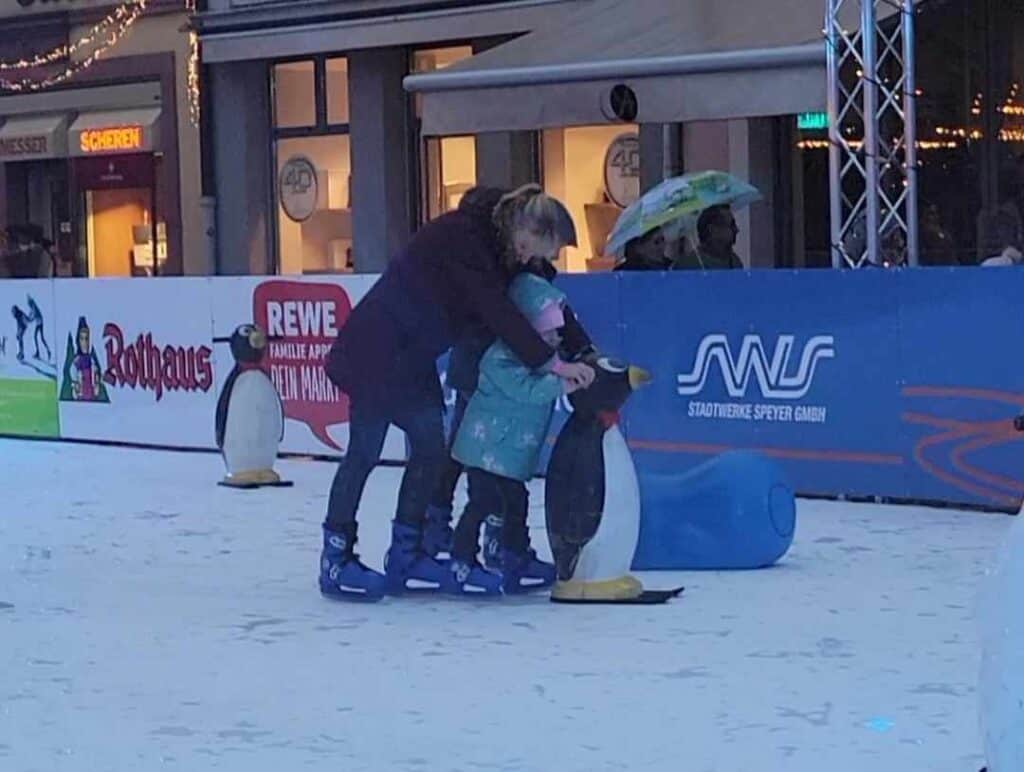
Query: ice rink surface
x=150 y=620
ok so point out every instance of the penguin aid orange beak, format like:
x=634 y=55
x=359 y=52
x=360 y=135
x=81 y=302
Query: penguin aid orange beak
x=638 y=377
x=257 y=338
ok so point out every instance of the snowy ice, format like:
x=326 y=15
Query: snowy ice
x=150 y=620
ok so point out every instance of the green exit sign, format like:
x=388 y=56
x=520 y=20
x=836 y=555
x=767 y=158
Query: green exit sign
x=812 y=121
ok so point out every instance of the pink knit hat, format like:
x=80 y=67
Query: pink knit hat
x=551 y=317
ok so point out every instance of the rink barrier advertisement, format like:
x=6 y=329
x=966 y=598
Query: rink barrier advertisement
x=28 y=359
x=301 y=315
x=135 y=360
x=868 y=383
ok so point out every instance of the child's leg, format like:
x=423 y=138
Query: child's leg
x=514 y=506
x=521 y=570
x=484 y=498
x=470 y=578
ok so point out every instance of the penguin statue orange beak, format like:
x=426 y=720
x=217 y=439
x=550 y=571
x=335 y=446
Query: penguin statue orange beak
x=638 y=377
x=257 y=338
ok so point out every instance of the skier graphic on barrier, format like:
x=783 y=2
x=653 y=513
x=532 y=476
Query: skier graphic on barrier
x=35 y=315
x=21 y=319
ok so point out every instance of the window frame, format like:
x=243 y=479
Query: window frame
x=419 y=178
x=322 y=128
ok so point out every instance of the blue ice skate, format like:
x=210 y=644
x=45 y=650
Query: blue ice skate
x=342 y=575
x=525 y=572
x=438 y=533
x=492 y=541
x=409 y=569
x=470 y=578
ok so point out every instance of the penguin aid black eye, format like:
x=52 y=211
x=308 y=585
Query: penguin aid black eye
x=611 y=366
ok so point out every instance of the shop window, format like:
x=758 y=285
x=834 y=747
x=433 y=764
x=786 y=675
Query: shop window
x=294 y=95
x=449 y=170
x=313 y=172
x=337 y=91
x=117 y=208
x=315 y=204
x=574 y=165
x=117 y=230
x=447 y=164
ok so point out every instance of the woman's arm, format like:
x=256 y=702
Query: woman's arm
x=487 y=297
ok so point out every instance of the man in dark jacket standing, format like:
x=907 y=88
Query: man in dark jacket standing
x=716 y=234
x=452 y=276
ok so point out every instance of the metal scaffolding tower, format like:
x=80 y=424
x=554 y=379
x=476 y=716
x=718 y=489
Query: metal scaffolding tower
x=872 y=136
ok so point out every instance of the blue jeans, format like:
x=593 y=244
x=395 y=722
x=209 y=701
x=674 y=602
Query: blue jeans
x=451 y=469
x=423 y=426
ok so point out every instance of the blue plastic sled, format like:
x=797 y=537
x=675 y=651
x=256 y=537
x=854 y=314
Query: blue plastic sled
x=732 y=512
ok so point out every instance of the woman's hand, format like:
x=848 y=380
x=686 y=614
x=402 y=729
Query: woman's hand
x=577 y=374
x=568 y=387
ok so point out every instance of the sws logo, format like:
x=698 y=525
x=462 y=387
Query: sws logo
x=773 y=378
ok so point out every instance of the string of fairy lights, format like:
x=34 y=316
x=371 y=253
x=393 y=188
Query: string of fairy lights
x=97 y=41
x=62 y=52
x=194 y=108
x=103 y=36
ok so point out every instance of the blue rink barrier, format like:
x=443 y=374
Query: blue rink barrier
x=901 y=384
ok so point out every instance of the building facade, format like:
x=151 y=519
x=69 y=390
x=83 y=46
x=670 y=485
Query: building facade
x=98 y=152
x=336 y=128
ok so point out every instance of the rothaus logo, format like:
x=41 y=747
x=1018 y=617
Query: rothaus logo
x=776 y=375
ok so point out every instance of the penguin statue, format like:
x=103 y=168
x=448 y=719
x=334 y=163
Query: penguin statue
x=592 y=498
x=250 y=417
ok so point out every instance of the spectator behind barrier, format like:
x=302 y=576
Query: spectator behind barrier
x=937 y=247
x=892 y=247
x=646 y=253
x=26 y=254
x=716 y=235
x=1001 y=241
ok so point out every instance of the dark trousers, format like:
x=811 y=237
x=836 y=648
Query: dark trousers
x=444 y=492
x=21 y=337
x=425 y=431
x=493 y=495
x=41 y=336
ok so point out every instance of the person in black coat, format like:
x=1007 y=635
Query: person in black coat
x=452 y=277
x=463 y=374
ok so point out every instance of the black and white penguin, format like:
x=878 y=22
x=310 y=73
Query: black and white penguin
x=592 y=498
x=250 y=416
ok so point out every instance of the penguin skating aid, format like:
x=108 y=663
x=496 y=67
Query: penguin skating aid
x=592 y=498
x=250 y=417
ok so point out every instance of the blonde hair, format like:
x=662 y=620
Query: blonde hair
x=528 y=208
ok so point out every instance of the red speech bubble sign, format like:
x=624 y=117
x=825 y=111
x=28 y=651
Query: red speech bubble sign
x=302 y=321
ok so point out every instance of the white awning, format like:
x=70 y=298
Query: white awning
x=698 y=60
x=115 y=132
x=34 y=137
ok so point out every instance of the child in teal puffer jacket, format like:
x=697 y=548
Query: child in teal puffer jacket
x=499 y=442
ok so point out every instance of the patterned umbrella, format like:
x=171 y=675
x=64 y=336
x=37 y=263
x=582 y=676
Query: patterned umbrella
x=676 y=203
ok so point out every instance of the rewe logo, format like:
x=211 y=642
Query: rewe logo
x=772 y=374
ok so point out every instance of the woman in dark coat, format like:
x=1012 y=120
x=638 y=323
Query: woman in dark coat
x=452 y=276
x=463 y=373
